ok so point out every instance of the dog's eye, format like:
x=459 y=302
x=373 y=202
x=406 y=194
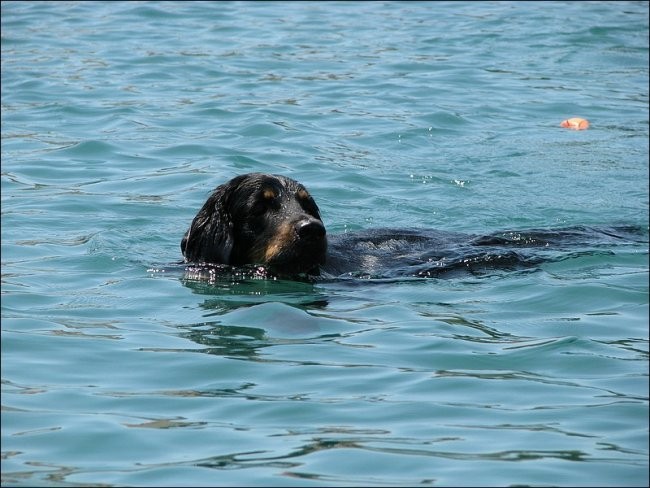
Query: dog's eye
x=267 y=199
x=259 y=207
x=307 y=202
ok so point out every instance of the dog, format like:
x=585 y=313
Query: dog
x=259 y=219
x=271 y=222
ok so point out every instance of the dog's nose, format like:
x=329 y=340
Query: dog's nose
x=310 y=229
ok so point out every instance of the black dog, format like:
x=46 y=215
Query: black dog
x=259 y=219
x=272 y=221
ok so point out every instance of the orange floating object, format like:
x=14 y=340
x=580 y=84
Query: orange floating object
x=575 y=123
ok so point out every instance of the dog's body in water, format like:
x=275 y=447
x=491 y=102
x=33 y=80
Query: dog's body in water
x=269 y=225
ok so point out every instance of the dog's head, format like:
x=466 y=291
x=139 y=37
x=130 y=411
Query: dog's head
x=258 y=219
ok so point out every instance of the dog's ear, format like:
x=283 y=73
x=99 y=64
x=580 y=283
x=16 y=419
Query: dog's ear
x=210 y=238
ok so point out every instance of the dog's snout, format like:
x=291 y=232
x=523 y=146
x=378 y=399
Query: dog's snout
x=310 y=229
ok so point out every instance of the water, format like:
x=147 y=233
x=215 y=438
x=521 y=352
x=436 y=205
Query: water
x=118 y=118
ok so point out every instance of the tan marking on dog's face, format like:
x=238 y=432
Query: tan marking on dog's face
x=274 y=246
x=269 y=194
x=302 y=194
x=280 y=241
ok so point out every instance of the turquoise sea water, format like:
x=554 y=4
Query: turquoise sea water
x=118 y=118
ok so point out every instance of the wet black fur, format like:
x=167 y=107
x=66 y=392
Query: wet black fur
x=246 y=215
x=270 y=220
